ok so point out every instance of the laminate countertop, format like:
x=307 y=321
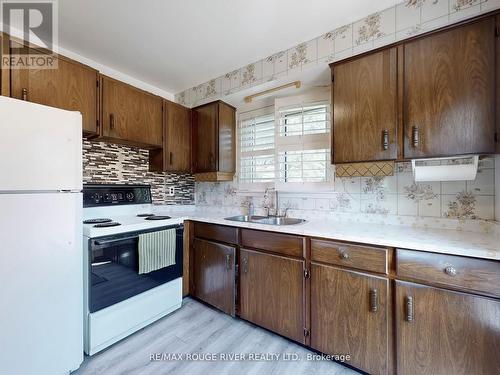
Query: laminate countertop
x=445 y=241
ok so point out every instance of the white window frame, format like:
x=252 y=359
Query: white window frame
x=251 y=186
x=310 y=97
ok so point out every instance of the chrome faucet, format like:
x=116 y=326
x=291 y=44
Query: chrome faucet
x=273 y=209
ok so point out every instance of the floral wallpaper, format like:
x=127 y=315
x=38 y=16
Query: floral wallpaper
x=406 y=19
x=393 y=195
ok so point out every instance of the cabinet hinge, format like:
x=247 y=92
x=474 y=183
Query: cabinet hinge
x=307 y=274
x=497 y=31
x=97 y=83
x=97 y=125
x=306 y=332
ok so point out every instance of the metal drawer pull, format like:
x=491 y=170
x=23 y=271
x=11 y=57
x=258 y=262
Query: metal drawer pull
x=245 y=264
x=450 y=271
x=228 y=262
x=24 y=94
x=343 y=253
x=415 y=136
x=409 y=309
x=373 y=300
x=385 y=139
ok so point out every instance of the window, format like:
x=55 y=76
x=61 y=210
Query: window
x=303 y=143
x=288 y=145
x=257 y=135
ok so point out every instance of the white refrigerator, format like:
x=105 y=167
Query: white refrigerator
x=41 y=259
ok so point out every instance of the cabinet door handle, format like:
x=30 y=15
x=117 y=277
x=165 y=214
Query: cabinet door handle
x=409 y=308
x=111 y=121
x=385 y=139
x=244 y=262
x=415 y=136
x=228 y=262
x=24 y=94
x=373 y=300
x=170 y=157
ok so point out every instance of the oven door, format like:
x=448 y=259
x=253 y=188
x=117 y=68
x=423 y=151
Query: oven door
x=114 y=266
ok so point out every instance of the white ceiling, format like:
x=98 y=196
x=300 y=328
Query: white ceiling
x=177 y=44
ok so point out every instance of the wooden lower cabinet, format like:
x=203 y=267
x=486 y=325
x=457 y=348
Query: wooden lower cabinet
x=349 y=315
x=445 y=332
x=214 y=274
x=272 y=292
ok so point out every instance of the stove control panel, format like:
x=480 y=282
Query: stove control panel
x=95 y=195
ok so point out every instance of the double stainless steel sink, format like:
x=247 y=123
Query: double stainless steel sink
x=269 y=220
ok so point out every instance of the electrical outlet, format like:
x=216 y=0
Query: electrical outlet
x=171 y=191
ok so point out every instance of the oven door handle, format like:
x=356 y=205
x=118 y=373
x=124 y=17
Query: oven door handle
x=100 y=243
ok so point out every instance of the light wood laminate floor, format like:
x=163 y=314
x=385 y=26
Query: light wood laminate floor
x=197 y=328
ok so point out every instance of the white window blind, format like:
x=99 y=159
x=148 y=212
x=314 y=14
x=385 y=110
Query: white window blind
x=303 y=143
x=257 y=149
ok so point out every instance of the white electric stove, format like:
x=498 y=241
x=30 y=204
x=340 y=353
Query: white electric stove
x=118 y=300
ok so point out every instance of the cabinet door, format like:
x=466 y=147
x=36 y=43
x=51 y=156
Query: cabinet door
x=364 y=108
x=71 y=86
x=177 y=137
x=4 y=72
x=349 y=316
x=227 y=138
x=449 y=92
x=272 y=293
x=130 y=115
x=214 y=277
x=444 y=332
x=205 y=138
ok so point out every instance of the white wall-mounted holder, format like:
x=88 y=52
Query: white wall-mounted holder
x=457 y=168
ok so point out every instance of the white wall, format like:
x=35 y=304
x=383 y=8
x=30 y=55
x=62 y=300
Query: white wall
x=497 y=188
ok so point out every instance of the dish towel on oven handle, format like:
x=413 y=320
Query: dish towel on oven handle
x=156 y=250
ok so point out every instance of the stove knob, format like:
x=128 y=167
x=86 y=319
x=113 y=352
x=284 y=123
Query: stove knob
x=130 y=197
x=96 y=198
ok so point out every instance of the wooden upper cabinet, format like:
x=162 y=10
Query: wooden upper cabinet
x=272 y=293
x=129 y=115
x=214 y=137
x=205 y=138
x=4 y=73
x=349 y=314
x=214 y=274
x=176 y=153
x=449 y=92
x=442 y=332
x=71 y=86
x=365 y=108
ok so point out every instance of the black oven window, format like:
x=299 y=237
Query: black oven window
x=114 y=274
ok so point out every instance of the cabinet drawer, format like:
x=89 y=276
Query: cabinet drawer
x=349 y=255
x=213 y=232
x=468 y=273
x=275 y=242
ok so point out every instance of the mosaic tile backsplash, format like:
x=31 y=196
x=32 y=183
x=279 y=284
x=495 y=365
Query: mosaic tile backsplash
x=406 y=19
x=385 y=196
x=108 y=163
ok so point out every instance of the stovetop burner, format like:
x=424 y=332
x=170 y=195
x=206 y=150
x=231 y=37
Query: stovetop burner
x=107 y=224
x=154 y=217
x=145 y=215
x=97 y=221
